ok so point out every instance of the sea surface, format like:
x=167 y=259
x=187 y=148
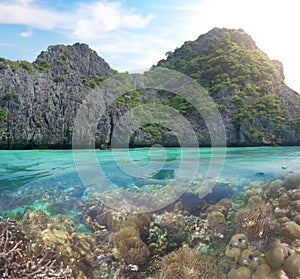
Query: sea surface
x=36 y=177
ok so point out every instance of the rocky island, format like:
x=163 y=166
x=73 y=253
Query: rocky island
x=39 y=100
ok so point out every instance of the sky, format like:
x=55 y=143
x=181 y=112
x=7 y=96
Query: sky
x=136 y=34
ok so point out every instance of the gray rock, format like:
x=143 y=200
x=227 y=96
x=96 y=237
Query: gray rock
x=43 y=103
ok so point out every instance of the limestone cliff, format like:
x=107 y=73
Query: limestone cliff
x=39 y=101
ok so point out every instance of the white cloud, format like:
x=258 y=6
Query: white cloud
x=23 y=12
x=123 y=33
x=96 y=19
x=108 y=27
x=129 y=51
x=27 y=34
x=86 y=21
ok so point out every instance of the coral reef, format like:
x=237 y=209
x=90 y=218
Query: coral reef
x=217 y=223
x=258 y=223
x=270 y=221
x=20 y=258
x=276 y=255
x=129 y=248
x=170 y=230
x=186 y=263
x=261 y=227
x=292 y=181
x=292 y=265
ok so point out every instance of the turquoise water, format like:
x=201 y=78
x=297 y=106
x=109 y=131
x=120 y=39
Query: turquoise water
x=32 y=177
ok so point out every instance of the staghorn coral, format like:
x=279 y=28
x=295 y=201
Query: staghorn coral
x=20 y=258
x=259 y=224
x=78 y=250
x=186 y=263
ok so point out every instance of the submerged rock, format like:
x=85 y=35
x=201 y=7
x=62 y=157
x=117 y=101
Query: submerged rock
x=290 y=231
x=292 y=265
x=276 y=255
x=263 y=272
x=238 y=273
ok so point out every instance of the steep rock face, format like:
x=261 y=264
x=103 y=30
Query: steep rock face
x=256 y=106
x=40 y=101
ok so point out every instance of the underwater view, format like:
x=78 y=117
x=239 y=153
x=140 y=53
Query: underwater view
x=58 y=224
x=149 y=139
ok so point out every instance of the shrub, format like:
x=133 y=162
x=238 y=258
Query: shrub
x=58 y=78
x=42 y=65
x=10 y=94
x=27 y=66
x=3 y=115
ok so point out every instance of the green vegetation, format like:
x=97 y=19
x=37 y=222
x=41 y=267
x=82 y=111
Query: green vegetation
x=270 y=106
x=93 y=81
x=92 y=52
x=130 y=99
x=61 y=61
x=27 y=66
x=16 y=65
x=153 y=129
x=176 y=101
x=222 y=108
x=223 y=61
x=3 y=114
x=58 y=78
x=228 y=62
x=39 y=120
x=51 y=47
x=42 y=65
x=9 y=95
x=67 y=53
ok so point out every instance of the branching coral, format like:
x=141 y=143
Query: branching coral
x=186 y=263
x=20 y=258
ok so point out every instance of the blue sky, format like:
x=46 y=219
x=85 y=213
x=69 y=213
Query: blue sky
x=135 y=34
